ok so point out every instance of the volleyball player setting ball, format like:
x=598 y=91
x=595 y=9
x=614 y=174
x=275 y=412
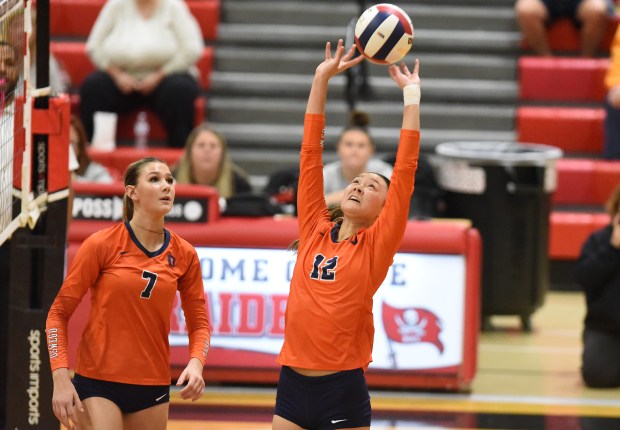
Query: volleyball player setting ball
x=343 y=255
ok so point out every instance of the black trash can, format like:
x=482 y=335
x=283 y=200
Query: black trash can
x=505 y=189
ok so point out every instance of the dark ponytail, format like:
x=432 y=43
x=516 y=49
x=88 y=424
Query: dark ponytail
x=335 y=214
x=358 y=120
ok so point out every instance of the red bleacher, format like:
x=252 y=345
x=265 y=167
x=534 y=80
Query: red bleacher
x=581 y=182
x=569 y=230
x=117 y=161
x=574 y=130
x=564 y=37
x=577 y=130
x=562 y=79
x=75 y=18
x=586 y=181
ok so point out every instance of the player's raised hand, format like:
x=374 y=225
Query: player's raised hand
x=339 y=62
x=402 y=76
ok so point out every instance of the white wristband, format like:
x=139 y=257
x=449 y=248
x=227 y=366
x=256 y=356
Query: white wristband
x=411 y=94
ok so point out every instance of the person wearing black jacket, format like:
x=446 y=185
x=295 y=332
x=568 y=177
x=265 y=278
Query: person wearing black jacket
x=598 y=272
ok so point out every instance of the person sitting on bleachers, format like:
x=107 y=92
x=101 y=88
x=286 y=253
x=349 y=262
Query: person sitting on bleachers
x=355 y=152
x=205 y=161
x=590 y=16
x=145 y=52
x=612 y=120
x=89 y=171
x=598 y=272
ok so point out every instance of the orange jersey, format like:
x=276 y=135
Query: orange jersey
x=612 y=77
x=132 y=292
x=329 y=321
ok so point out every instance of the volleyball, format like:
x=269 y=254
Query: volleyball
x=384 y=33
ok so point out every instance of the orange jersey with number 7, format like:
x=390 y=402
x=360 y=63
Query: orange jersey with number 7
x=329 y=321
x=132 y=293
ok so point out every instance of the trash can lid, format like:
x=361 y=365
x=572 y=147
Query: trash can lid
x=503 y=153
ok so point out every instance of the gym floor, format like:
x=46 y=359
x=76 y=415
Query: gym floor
x=525 y=381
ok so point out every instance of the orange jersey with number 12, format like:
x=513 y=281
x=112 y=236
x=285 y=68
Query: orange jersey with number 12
x=329 y=321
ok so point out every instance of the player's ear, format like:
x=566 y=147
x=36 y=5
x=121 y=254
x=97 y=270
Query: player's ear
x=130 y=190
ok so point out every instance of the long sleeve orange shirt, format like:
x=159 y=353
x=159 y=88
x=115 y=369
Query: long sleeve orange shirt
x=329 y=320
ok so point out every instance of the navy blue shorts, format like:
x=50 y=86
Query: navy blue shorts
x=562 y=8
x=335 y=401
x=568 y=9
x=128 y=397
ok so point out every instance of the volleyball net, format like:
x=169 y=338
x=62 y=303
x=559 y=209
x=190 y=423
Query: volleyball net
x=18 y=206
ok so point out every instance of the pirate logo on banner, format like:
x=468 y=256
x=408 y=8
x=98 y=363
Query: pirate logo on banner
x=410 y=325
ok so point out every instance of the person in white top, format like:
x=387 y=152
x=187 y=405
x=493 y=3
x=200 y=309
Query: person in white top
x=145 y=52
x=87 y=169
x=355 y=156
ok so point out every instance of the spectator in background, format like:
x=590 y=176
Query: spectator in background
x=9 y=77
x=145 y=52
x=205 y=161
x=355 y=151
x=598 y=272
x=590 y=16
x=89 y=171
x=612 y=120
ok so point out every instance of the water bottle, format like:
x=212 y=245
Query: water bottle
x=141 y=131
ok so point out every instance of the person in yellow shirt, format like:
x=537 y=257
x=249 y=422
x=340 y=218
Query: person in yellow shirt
x=612 y=83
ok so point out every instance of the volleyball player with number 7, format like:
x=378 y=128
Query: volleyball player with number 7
x=133 y=270
x=341 y=263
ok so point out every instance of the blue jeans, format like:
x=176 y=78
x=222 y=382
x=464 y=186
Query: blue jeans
x=611 y=150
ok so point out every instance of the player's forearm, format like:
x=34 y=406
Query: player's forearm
x=318 y=95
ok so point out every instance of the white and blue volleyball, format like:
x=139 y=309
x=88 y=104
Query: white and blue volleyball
x=384 y=33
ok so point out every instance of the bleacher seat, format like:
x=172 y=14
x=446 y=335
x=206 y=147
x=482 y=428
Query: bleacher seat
x=75 y=18
x=562 y=79
x=574 y=130
x=569 y=230
x=117 y=161
x=564 y=37
x=586 y=181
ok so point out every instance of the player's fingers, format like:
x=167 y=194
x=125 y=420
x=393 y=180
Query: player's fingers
x=72 y=416
x=77 y=402
x=64 y=417
x=416 y=67
x=349 y=53
x=195 y=391
x=182 y=378
x=355 y=61
x=393 y=71
x=328 y=50
x=339 y=51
